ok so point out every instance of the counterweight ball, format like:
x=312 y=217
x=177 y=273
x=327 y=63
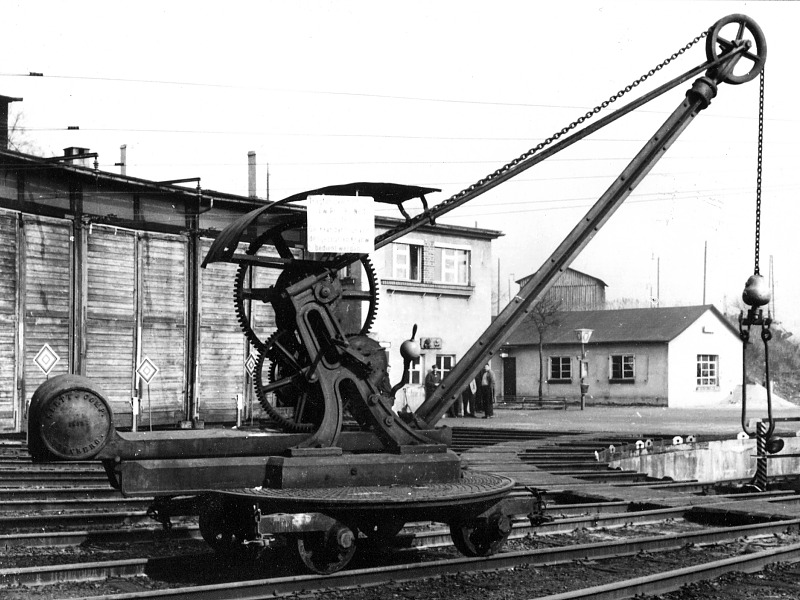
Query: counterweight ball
x=756 y=291
x=409 y=350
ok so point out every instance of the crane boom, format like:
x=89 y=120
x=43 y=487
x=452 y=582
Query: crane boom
x=698 y=97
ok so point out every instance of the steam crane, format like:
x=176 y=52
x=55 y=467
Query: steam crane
x=315 y=485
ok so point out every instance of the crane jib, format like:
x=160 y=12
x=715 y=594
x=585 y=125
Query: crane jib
x=698 y=97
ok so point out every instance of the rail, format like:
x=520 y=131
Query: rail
x=532 y=402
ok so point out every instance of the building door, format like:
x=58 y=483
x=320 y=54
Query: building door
x=9 y=321
x=163 y=305
x=35 y=307
x=510 y=376
x=111 y=316
x=46 y=297
x=222 y=350
x=135 y=308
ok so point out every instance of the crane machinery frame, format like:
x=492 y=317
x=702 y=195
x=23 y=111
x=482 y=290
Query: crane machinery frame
x=317 y=485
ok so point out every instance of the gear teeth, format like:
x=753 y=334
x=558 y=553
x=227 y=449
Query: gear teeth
x=285 y=424
x=241 y=315
x=372 y=279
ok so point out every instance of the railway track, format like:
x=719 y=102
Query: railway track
x=83 y=510
x=376 y=576
x=136 y=527
x=566 y=519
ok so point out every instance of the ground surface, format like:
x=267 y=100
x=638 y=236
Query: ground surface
x=628 y=420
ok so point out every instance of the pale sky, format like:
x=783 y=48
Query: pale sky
x=437 y=94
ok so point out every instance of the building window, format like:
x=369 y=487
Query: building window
x=560 y=369
x=623 y=367
x=407 y=262
x=452 y=265
x=445 y=364
x=707 y=371
x=415 y=371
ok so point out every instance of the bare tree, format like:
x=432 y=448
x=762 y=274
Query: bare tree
x=18 y=138
x=543 y=316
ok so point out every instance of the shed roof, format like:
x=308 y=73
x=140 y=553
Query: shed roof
x=581 y=273
x=658 y=325
x=391 y=192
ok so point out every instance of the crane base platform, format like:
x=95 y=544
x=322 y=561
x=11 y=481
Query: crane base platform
x=468 y=497
x=349 y=470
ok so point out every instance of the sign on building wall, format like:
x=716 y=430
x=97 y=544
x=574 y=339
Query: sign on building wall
x=46 y=359
x=430 y=343
x=147 y=370
x=341 y=224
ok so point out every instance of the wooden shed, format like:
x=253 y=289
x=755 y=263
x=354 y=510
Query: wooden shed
x=575 y=290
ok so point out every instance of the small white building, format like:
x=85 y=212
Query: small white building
x=440 y=279
x=678 y=357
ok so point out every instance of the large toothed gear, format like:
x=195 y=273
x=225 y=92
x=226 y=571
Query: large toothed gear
x=278 y=267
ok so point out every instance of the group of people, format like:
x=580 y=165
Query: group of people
x=478 y=397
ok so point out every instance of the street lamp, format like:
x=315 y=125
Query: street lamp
x=583 y=338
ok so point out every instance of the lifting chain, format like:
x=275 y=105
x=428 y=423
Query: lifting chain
x=562 y=132
x=757 y=294
x=756 y=270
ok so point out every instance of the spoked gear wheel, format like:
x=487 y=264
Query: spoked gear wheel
x=286 y=380
x=266 y=281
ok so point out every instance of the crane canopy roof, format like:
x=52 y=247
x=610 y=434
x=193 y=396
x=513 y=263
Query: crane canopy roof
x=227 y=241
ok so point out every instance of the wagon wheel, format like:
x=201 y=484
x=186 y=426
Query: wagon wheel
x=383 y=531
x=223 y=525
x=480 y=537
x=275 y=267
x=325 y=552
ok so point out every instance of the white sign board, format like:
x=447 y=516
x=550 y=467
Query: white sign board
x=46 y=359
x=147 y=370
x=250 y=364
x=341 y=224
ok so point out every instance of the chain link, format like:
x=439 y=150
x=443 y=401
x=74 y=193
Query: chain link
x=563 y=131
x=758 y=170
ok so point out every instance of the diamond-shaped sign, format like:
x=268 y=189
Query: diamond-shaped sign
x=147 y=370
x=250 y=364
x=46 y=359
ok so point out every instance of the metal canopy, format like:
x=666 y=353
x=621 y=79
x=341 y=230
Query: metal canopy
x=388 y=193
x=227 y=241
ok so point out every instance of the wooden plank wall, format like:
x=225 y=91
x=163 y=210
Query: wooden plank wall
x=163 y=318
x=222 y=345
x=111 y=314
x=47 y=259
x=8 y=320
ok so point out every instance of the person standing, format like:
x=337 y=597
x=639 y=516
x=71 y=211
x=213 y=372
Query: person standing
x=486 y=391
x=468 y=399
x=432 y=381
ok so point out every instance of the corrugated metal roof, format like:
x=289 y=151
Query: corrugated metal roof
x=618 y=326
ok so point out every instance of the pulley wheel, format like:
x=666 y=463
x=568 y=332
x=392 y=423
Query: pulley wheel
x=738 y=28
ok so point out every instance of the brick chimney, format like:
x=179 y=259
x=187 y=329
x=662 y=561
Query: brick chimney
x=77 y=152
x=4 y=102
x=251 y=174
